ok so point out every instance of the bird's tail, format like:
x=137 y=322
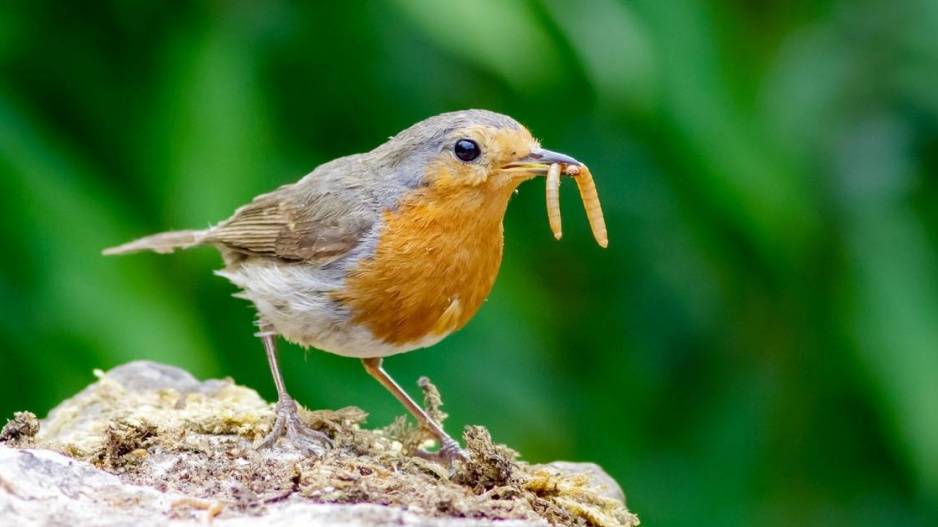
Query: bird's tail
x=164 y=242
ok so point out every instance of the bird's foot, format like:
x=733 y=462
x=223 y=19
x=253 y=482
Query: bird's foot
x=310 y=442
x=449 y=453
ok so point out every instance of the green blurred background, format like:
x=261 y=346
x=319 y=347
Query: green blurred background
x=758 y=345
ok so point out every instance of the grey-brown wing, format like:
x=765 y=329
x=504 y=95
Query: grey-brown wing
x=299 y=222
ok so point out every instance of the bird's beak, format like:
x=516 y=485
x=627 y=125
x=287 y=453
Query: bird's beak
x=547 y=157
x=539 y=160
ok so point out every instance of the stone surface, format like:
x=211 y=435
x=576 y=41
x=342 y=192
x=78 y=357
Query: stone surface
x=149 y=444
x=52 y=490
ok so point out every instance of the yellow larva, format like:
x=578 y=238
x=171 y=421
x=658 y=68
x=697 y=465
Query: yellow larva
x=553 y=199
x=594 y=211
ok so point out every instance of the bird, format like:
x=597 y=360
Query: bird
x=375 y=254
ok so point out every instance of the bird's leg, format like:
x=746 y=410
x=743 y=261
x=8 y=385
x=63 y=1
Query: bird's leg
x=288 y=421
x=449 y=449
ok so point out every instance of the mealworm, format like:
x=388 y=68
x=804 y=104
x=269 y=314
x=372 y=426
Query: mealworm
x=590 y=198
x=553 y=199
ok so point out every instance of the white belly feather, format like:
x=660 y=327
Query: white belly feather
x=295 y=299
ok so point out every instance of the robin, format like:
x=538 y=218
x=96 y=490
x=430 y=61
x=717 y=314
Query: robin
x=376 y=254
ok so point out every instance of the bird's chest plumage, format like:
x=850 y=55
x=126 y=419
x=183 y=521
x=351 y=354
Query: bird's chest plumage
x=435 y=263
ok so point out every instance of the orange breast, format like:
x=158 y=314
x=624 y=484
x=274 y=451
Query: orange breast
x=435 y=264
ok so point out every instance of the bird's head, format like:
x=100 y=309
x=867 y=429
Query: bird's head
x=475 y=150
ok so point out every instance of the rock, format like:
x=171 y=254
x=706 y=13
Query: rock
x=604 y=482
x=44 y=488
x=148 y=444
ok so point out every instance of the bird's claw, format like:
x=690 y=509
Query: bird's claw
x=449 y=454
x=310 y=442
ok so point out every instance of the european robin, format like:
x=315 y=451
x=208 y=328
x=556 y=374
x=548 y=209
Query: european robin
x=376 y=254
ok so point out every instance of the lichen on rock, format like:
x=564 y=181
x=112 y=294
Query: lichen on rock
x=20 y=430
x=156 y=426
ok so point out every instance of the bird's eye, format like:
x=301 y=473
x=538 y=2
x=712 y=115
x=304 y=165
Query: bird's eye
x=467 y=149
